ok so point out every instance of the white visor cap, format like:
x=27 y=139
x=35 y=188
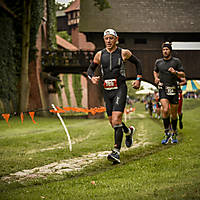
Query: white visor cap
x=110 y=32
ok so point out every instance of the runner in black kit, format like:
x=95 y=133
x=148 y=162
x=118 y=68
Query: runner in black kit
x=166 y=73
x=111 y=60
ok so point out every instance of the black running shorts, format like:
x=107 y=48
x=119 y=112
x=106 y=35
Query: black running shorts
x=173 y=99
x=115 y=99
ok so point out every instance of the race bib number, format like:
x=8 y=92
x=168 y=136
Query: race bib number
x=110 y=84
x=170 y=90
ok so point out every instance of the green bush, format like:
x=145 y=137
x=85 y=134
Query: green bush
x=8 y=64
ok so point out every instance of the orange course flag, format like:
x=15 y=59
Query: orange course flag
x=74 y=109
x=32 y=116
x=67 y=108
x=6 y=117
x=22 y=117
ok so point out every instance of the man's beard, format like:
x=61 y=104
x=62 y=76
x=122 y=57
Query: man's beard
x=166 y=56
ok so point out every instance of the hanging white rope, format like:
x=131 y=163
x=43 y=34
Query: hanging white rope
x=68 y=136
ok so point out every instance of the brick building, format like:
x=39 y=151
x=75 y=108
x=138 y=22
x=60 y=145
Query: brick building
x=68 y=20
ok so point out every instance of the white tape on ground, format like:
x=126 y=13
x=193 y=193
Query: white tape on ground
x=68 y=136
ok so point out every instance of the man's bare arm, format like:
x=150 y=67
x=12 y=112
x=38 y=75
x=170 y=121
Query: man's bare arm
x=156 y=77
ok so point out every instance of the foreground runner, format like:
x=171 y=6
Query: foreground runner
x=111 y=59
x=166 y=73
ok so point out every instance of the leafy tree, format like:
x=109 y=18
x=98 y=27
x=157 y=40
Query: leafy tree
x=51 y=25
x=65 y=36
x=22 y=18
x=60 y=6
x=24 y=80
x=101 y=4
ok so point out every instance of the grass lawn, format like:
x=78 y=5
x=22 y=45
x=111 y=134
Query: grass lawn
x=148 y=171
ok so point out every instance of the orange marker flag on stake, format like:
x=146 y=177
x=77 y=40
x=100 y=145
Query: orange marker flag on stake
x=32 y=116
x=59 y=110
x=22 y=117
x=6 y=117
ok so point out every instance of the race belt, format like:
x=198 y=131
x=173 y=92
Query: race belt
x=110 y=84
x=171 y=90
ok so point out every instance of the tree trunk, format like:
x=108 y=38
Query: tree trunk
x=24 y=81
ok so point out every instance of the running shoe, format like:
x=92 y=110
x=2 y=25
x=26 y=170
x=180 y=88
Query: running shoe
x=174 y=139
x=166 y=138
x=129 y=136
x=114 y=157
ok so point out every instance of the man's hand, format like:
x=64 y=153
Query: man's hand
x=136 y=84
x=95 y=79
x=172 y=70
x=156 y=81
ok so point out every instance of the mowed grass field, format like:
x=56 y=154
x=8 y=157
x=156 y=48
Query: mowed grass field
x=149 y=170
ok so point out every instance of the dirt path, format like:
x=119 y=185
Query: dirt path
x=69 y=165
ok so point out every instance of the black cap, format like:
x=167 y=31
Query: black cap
x=168 y=45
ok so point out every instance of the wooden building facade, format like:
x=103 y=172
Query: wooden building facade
x=143 y=25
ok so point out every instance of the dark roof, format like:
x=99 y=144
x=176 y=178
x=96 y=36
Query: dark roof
x=154 y=16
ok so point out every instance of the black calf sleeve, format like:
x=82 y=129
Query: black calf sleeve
x=180 y=116
x=118 y=137
x=174 y=124
x=125 y=128
x=166 y=122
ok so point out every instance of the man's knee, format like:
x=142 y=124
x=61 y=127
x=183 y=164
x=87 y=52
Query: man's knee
x=174 y=111
x=174 y=115
x=165 y=110
x=116 y=118
x=116 y=121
